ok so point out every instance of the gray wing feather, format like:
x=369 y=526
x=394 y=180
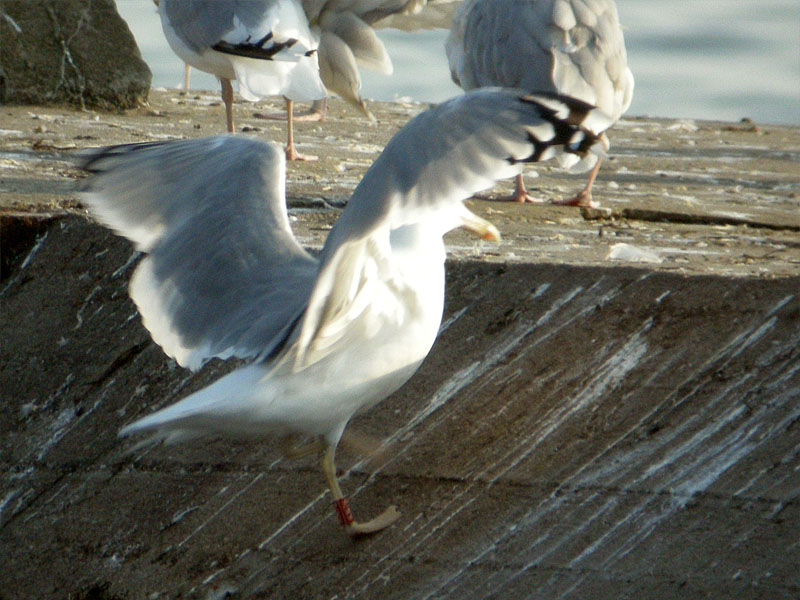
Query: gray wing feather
x=225 y=275
x=522 y=60
x=440 y=158
x=461 y=147
x=202 y=23
x=433 y=14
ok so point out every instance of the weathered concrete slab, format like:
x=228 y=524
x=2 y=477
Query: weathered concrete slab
x=704 y=197
x=585 y=427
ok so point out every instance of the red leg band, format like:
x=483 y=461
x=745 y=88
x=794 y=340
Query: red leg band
x=344 y=512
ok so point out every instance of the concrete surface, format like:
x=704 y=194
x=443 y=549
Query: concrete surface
x=595 y=420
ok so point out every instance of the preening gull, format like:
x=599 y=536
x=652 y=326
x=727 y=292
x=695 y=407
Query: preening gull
x=265 y=45
x=347 y=39
x=322 y=337
x=570 y=47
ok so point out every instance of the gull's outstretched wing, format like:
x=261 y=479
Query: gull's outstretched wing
x=224 y=275
x=439 y=159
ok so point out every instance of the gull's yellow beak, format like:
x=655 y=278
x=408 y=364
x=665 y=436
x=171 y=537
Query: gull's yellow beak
x=480 y=227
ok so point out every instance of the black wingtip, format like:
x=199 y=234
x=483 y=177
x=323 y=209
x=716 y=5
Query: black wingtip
x=258 y=50
x=569 y=117
x=89 y=158
x=577 y=110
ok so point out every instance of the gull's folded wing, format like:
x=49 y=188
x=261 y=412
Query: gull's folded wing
x=224 y=275
x=574 y=48
x=267 y=45
x=264 y=27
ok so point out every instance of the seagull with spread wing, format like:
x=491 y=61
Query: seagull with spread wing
x=326 y=337
x=571 y=47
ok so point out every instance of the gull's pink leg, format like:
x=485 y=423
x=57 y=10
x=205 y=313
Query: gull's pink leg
x=521 y=194
x=227 y=99
x=291 y=152
x=317 y=112
x=584 y=197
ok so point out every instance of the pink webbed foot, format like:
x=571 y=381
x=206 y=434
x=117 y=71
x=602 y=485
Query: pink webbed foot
x=583 y=198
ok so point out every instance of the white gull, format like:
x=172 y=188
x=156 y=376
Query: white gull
x=323 y=337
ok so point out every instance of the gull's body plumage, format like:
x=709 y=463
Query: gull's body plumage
x=570 y=47
x=213 y=36
x=324 y=337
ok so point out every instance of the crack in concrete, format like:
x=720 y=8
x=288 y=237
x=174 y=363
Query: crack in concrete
x=659 y=216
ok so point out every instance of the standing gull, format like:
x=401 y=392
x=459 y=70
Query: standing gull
x=570 y=47
x=265 y=45
x=323 y=337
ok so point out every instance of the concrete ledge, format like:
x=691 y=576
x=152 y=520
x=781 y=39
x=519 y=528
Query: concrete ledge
x=690 y=197
x=585 y=427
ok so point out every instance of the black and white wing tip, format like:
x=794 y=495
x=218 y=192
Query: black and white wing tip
x=572 y=132
x=265 y=48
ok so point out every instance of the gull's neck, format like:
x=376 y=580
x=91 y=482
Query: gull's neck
x=418 y=256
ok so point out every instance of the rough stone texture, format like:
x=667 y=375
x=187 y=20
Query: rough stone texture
x=585 y=426
x=76 y=51
x=577 y=432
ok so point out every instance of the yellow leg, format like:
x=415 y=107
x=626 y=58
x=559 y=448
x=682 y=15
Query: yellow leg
x=352 y=527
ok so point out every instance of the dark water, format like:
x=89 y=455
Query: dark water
x=705 y=59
